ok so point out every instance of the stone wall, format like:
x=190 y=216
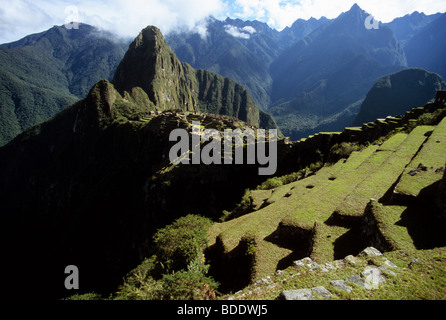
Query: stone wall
x=313 y=149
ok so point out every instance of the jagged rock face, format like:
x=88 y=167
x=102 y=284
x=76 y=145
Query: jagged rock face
x=150 y=64
x=223 y=96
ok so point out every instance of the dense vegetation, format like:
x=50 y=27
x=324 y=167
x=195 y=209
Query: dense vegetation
x=43 y=73
x=94 y=185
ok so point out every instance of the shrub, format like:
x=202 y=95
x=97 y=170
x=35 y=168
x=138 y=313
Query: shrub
x=433 y=118
x=139 y=284
x=85 y=296
x=177 y=270
x=271 y=183
x=179 y=244
x=342 y=150
x=188 y=285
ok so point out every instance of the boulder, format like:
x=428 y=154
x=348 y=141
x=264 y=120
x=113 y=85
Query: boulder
x=352 y=260
x=356 y=279
x=372 y=277
x=300 y=294
x=341 y=285
x=370 y=252
x=322 y=292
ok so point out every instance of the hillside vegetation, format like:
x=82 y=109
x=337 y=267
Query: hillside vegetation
x=44 y=73
x=95 y=187
x=310 y=231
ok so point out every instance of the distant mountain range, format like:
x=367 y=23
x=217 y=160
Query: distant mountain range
x=311 y=76
x=315 y=74
x=427 y=49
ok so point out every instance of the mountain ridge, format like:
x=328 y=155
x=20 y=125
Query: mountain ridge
x=45 y=72
x=393 y=94
x=244 y=56
x=98 y=181
x=150 y=64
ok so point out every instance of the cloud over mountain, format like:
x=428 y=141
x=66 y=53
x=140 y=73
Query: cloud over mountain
x=127 y=17
x=243 y=33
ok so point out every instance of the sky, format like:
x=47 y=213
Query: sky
x=127 y=17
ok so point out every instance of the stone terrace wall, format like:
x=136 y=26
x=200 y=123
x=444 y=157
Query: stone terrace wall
x=312 y=149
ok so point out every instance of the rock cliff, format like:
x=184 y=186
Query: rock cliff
x=150 y=64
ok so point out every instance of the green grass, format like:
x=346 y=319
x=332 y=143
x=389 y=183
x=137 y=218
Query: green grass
x=387 y=218
x=385 y=174
x=433 y=156
x=423 y=280
x=303 y=206
x=345 y=187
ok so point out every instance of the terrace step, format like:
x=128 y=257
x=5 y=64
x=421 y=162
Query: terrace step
x=384 y=175
x=331 y=181
x=427 y=167
x=330 y=185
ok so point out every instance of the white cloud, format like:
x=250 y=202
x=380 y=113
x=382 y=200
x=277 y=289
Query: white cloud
x=281 y=13
x=124 y=17
x=249 y=29
x=236 y=32
x=19 y=18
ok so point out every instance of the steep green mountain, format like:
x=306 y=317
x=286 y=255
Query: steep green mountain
x=398 y=93
x=332 y=70
x=427 y=49
x=102 y=194
x=97 y=176
x=405 y=28
x=23 y=104
x=166 y=83
x=43 y=73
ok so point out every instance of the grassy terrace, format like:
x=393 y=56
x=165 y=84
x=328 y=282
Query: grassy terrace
x=432 y=156
x=320 y=192
x=386 y=174
x=307 y=205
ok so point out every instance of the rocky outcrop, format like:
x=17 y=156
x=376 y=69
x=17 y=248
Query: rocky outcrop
x=371 y=278
x=151 y=65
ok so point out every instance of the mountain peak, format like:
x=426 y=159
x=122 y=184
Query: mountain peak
x=355 y=10
x=355 y=7
x=151 y=73
x=149 y=36
x=146 y=62
x=353 y=18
